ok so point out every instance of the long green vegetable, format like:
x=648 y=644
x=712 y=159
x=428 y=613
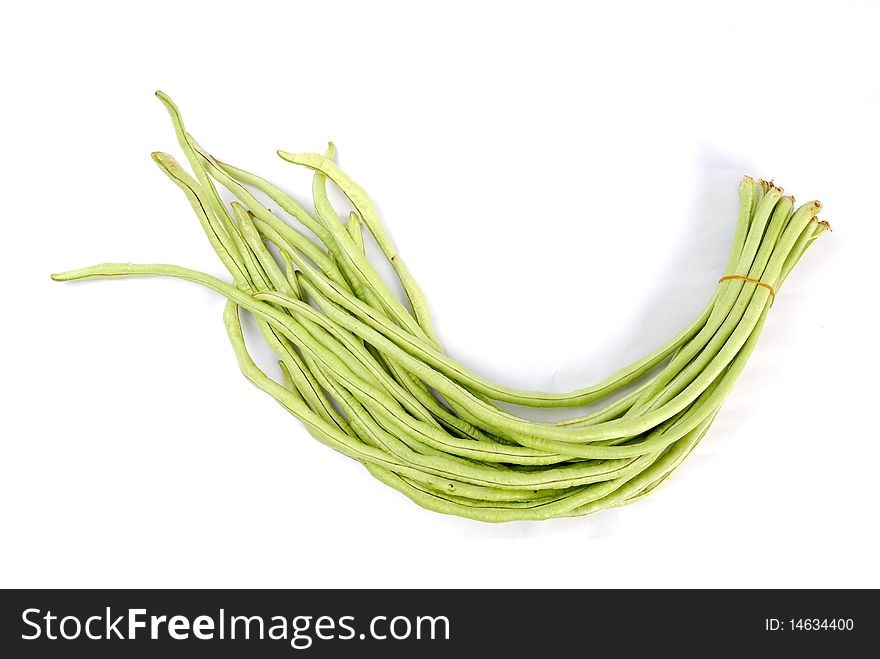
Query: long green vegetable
x=367 y=376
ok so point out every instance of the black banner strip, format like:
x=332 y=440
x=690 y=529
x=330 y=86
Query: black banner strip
x=427 y=623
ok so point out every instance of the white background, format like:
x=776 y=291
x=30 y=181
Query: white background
x=562 y=180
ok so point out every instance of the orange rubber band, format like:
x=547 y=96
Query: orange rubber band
x=754 y=281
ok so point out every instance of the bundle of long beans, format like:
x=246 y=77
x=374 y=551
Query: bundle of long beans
x=366 y=375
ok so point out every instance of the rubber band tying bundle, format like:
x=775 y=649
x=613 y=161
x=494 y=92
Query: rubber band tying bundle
x=754 y=281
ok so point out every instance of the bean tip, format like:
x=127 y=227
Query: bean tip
x=166 y=162
x=161 y=157
x=64 y=276
x=165 y=98
x=813 y=208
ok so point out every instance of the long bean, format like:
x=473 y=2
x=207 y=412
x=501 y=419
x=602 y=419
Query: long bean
x=365 y=373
